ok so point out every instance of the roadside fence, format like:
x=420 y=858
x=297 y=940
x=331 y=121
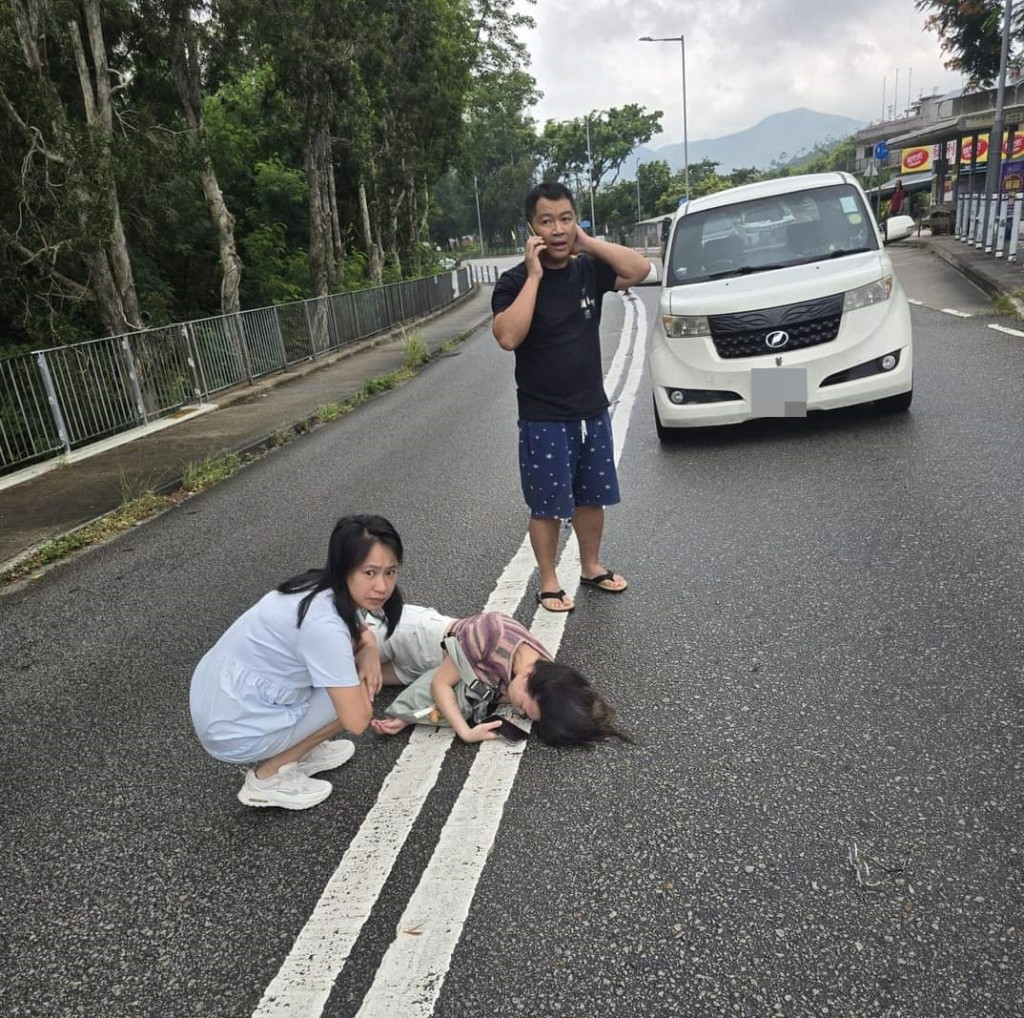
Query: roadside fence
x=56 y=400
x=990 y=222
x=485 y=273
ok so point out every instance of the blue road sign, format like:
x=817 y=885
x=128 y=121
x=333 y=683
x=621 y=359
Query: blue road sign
x=881 y=151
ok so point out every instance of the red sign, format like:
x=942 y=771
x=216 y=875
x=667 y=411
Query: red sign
x=967 y=150
x=1018 y=145
x=915 y=158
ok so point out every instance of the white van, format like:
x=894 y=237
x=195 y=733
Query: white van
x=778 y=298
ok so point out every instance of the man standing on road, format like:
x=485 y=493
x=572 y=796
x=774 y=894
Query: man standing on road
x=547 y=310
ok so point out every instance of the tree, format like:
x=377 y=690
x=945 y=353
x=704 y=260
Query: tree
x=970 y=31
x=184 y=48
x=66 y=226
x=613 y=134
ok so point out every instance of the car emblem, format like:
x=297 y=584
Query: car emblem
x=776 y=340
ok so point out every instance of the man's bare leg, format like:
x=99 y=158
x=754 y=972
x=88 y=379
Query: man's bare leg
x=588 y=522
x=544 y=538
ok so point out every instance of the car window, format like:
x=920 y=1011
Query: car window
x=769 y=233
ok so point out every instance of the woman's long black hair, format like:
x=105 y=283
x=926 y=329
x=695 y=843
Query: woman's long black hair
x=351 y=541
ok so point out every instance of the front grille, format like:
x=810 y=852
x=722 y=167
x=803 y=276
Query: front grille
x=808 y=323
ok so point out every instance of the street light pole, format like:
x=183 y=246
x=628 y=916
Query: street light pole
x=590 y=160
x=479 y=226
x=681 y=39
x=995 y=138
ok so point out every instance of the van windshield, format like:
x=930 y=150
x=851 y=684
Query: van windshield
x=769 y=233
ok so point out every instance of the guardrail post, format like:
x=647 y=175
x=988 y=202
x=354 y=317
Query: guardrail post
x=989 y=222
x=1018 y=201
x=958 y=228
x=978 y=217
x=195 y=363
x=1000 y=241
x=133 y=379
x=51 y=398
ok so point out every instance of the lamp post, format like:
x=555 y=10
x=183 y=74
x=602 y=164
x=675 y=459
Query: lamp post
x=590 y=160
x=479 y=225
x=681 y=39
x=995 y=137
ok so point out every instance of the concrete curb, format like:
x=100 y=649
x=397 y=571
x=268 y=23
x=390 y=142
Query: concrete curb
x=981 y=280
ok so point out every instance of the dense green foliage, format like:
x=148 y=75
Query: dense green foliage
x=971 y=34
x=163 y=160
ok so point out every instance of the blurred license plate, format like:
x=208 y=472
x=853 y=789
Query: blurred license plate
x=778 y=392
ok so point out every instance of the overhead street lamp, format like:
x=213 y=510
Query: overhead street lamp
x=681 y=39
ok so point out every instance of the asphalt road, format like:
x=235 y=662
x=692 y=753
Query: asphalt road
x=820 y=649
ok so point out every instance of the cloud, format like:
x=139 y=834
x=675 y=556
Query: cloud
x=745 y=59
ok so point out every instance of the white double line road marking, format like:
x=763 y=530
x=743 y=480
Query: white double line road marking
x=441 y=902
x=413 y=971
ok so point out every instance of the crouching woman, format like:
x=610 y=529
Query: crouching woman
x=457 y=670
x=299 y=668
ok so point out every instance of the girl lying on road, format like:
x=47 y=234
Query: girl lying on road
x=299 y=667
x=456 y=670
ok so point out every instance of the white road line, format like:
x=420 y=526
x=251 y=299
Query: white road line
x=414 y=968
x=1009 y=332
x=919 y=303
x=306 y=978
x=953 y=311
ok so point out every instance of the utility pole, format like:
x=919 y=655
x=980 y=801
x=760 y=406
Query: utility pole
x=995 y=138
x=590 y=161
x=479 y=226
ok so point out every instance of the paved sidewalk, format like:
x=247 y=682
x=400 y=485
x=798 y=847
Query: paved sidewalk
x=994 y=276
x=59 y=498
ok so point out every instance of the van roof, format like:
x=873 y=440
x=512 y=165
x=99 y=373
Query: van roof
x=765 y=189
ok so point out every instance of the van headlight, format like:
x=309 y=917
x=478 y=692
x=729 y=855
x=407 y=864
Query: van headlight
x=872 y=293
x=684 y=327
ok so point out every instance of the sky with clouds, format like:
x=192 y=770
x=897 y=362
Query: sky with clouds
x=745 y=59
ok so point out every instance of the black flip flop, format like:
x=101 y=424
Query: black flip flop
x=546 y=594
x=596 y=581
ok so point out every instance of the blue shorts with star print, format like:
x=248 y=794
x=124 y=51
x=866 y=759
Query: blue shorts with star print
x=564 y=464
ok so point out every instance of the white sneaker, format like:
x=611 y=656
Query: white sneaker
x=326 y=756
x=289 y=788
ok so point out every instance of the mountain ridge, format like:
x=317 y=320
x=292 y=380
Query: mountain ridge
x=779 y=137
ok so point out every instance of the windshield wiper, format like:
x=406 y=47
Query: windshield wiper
x=840 y=251
x=746 y=270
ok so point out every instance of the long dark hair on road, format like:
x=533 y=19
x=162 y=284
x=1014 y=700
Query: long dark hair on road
x=571 y=712
x=350 y=544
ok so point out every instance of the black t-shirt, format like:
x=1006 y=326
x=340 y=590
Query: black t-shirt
x=558 y=365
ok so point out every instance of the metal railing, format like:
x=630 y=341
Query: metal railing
x=56 y=400
x=990 y=222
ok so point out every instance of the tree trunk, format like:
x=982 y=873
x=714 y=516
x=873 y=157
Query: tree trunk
x=396 y=209
x=318 y=277
x=372 y=248
x=339 y=247
x=185 y=69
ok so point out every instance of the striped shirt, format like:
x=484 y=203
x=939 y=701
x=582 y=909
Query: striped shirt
x=490 y=641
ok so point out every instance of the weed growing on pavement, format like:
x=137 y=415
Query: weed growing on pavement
x=1005 y=304
x=199 y=476
x=129 y=514
x=416 y=352
x=332 y=411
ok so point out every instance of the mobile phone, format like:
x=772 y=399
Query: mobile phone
x=512 y=734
